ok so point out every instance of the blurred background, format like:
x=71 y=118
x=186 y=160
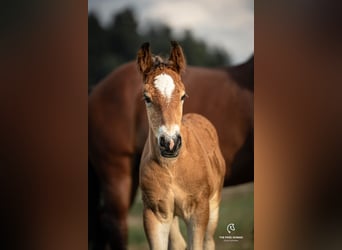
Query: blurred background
x=44 y=51
x=212 y=34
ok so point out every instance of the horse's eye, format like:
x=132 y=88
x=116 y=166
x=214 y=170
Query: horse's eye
x=183 y=97
x=147 y=99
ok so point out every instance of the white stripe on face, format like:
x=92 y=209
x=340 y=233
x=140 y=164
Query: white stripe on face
x=164 y=83
x=174 y=129
x=163 y=130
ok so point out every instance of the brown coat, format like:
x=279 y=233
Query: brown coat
x=182 y=169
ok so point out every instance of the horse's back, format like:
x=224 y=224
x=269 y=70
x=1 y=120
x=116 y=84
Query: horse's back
x=111 y=113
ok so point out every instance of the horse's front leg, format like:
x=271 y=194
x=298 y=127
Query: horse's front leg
x=157 y=228
x=197 y=225
x=176 y=240
x=209 y=243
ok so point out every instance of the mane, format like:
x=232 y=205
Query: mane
x=160 y=62
x=243 y=74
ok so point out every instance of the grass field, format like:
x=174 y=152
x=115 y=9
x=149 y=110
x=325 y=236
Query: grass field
x=237 y=207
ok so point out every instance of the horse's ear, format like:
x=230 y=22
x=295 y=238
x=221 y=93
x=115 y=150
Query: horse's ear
x=144 y=59
x=177 y=58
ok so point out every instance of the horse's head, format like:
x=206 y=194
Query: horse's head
x=164 y=93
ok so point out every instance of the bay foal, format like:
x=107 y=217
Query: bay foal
x=182 y=169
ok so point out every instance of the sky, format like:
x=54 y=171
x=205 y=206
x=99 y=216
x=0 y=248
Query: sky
x=228 y=24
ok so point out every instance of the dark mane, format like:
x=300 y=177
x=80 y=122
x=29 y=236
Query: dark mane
x=243 y=73
x=160 y=62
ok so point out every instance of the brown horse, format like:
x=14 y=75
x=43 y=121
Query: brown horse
x=118 y=129
x=182 y=168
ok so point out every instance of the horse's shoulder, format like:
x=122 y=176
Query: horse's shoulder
x=201 y=128
x=202 y=131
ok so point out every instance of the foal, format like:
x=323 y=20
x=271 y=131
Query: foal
x=182 y=169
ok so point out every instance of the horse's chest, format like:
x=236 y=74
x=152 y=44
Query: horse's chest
x=174 y=192
x=186 y=200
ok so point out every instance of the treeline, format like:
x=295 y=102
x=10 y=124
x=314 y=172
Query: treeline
x=118 y=43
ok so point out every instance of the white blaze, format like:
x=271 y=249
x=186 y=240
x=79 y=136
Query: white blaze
x=172 y=131
x=164 y=83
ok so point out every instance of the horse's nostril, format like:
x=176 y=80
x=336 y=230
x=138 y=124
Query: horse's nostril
x=162 y=141
x=170 y=144
x=179 y=141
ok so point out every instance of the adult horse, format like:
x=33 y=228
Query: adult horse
x=118 y=129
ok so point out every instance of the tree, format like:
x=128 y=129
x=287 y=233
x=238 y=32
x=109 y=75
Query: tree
x=123 y=36
x=110 y=46
x=159 y=36
x=97 y=49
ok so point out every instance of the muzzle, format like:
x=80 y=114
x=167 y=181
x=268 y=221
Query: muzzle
x=170 y=146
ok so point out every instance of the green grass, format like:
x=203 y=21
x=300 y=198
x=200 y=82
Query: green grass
x=237 y=207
